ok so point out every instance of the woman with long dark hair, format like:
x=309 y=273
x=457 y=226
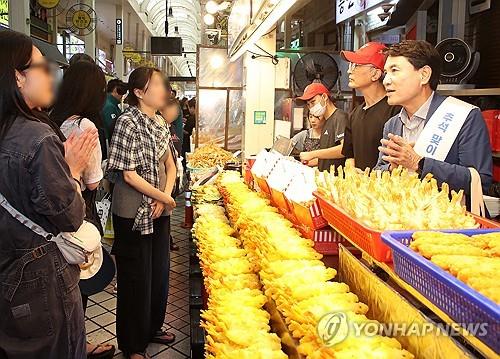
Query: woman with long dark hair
x=81 y=97
x=140 y=157
x=40 y=304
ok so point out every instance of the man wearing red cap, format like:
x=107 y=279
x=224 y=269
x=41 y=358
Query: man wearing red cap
x=366 y=122
x=317 y=98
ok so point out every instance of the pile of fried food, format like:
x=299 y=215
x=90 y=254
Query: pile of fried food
x=209 y=156
x=205 y=194
x=236 y=324
x=297 y=280
x=473 y=260
x=395 y=200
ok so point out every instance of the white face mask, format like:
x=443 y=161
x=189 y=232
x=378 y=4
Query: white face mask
x=318 y=110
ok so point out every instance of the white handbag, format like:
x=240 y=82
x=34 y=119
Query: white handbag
x=76 y=247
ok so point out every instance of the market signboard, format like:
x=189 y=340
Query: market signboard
x=345 y=9
x=4 y=12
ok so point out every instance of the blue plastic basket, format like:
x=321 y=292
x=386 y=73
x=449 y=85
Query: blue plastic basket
x=462 y=303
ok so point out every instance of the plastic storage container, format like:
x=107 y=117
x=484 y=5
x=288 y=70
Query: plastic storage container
x=462 y=303
x=366 y=238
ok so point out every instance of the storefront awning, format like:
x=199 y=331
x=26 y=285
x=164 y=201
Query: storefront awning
x=403 y=11
x=50 y=51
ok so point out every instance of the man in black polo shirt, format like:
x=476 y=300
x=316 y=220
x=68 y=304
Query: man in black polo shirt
x=317 y=98
x=366 y=122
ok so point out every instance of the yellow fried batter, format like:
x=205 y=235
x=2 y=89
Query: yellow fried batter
x=473 y=260
x=429 y=250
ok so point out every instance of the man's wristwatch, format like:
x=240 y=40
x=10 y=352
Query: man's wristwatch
x=420 y=166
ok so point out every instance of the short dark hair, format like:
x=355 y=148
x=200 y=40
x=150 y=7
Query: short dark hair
x=82 y=93
x=80 y=57
x=172 y=101
x=119 y=85
x=174 y=92
x=192 y=102
x=419 y=53
x=139 y=79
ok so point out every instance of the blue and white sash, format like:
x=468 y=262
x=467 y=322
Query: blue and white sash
x=438 y=136
x=442 y=129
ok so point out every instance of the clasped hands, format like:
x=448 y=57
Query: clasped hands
x=398 y=152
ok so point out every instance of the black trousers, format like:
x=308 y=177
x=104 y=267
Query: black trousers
x=143 y=265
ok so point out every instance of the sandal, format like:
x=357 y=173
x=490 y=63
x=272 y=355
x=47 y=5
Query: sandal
x=103 y=354
x=160 y=335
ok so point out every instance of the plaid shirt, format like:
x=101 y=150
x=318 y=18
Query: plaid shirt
x=137 y=144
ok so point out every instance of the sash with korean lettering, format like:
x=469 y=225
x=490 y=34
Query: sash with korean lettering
x=442 y=129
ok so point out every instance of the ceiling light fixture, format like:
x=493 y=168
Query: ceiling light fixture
x=208 y=19
x=276 y=12
x=212 y=7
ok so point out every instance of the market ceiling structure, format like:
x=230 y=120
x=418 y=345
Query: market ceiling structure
x=186 y=17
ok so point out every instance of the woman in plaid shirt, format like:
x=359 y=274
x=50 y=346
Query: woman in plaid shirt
x=145 y=175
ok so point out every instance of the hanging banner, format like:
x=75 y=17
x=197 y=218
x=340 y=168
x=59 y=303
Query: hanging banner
x=4 y=13
x=345 y=9
x=119 y=32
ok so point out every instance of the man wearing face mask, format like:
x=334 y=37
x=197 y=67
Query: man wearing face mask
x=317 y=98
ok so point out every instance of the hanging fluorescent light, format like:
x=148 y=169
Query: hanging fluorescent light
x=276 y=12
x=212 y=7
x=208 y=19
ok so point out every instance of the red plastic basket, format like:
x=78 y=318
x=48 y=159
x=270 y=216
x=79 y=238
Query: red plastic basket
x=264 y=187
x=366 y=238
x=309 y=216
x=280 y=202
x=326 y=240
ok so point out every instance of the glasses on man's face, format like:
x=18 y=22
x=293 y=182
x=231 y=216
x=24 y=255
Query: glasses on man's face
x=353 y=66
x=48 y=67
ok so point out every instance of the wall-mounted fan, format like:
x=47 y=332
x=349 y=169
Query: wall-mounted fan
x=315 y=67
x=81 y=19
x=459 y=63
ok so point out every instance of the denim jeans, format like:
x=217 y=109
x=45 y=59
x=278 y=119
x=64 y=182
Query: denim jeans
x=41 y=307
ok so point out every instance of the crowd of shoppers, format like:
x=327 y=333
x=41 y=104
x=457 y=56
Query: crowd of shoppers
x=53 y=156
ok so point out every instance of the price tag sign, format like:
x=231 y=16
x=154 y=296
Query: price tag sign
x=259 y=117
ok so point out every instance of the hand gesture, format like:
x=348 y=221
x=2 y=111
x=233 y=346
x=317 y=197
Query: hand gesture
x=306 y=156
x=78 y=150
x=158 y=209
x=399 y=153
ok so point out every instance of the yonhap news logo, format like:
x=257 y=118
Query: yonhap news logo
x=334 y=328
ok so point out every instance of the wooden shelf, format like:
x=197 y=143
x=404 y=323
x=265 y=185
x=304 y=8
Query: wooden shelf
x=471 y=92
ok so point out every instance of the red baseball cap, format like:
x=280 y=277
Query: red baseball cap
x=316 y=88
x=370 y=53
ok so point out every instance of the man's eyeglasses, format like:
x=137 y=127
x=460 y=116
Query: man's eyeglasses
x=353 y=66
x=47 y=67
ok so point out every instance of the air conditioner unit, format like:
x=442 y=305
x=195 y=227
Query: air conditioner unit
x=476 y=6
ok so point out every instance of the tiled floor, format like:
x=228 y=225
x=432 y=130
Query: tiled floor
x=101 y=311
